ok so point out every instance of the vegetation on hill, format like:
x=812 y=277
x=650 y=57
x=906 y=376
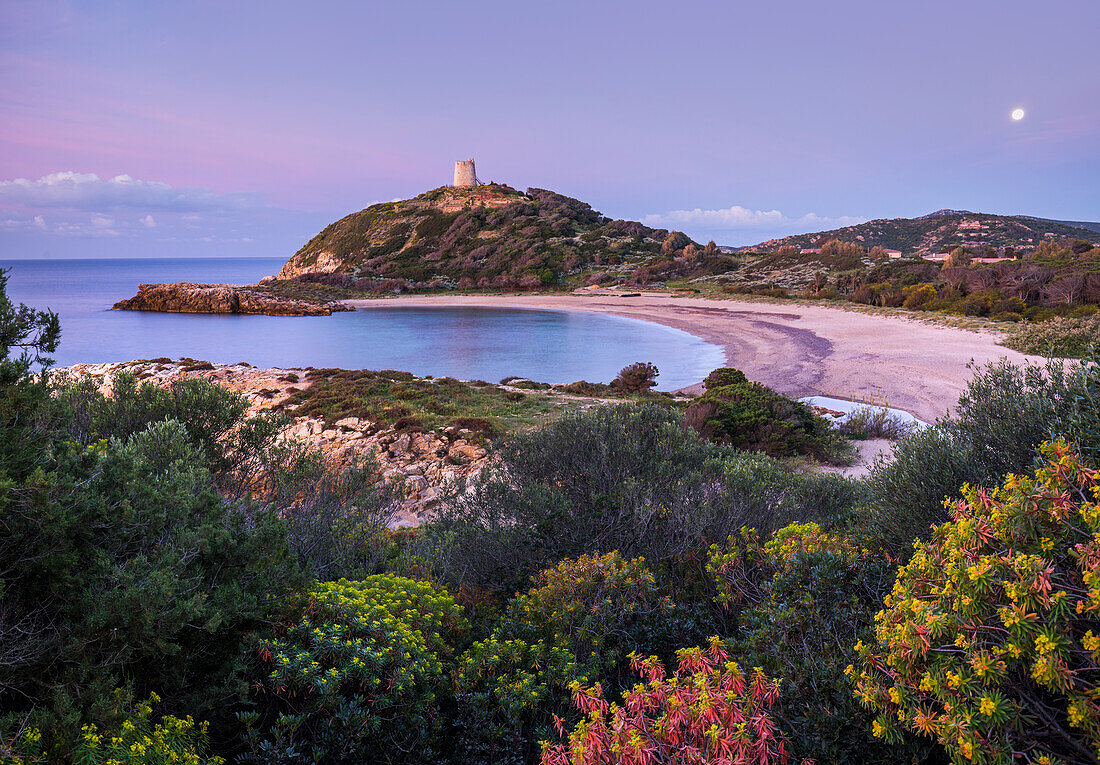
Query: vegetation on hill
x=941 y=232
x=485 y=237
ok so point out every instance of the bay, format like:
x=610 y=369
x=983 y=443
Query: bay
x=466 y=343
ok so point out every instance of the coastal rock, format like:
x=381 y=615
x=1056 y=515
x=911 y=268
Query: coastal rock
x=189 y=297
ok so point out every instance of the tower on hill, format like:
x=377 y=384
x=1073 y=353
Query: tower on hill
x=464 y=173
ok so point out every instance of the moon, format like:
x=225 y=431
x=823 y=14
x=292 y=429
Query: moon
x=1017 y=114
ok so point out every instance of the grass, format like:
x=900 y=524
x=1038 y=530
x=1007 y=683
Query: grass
x=403 y=401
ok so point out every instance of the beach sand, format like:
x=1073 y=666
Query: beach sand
x=797 y=350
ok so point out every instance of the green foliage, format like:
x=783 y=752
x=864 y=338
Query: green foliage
x=988 y=642
x=1003 y=415
x=122 y=568
x=358 y=676
x=626 y=477
x=801 y=599
x=1059 y=336
x=506 y=690
x=751 y=416
x=137 y=740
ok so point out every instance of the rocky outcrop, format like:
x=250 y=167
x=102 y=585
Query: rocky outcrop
x=188 y=297
x=422 y=463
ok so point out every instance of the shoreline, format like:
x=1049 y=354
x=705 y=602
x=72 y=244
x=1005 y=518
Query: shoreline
x=794 y=349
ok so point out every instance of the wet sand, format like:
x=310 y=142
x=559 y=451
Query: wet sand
x=797 y=350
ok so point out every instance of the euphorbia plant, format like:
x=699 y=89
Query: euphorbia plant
x=708 y=711
x=989 y=641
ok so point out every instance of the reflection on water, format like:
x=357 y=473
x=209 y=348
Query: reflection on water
x=462 y=342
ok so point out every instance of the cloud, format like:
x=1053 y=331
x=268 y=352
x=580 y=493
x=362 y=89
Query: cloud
x=148 y=221
x=737 y=217
x=87 y=191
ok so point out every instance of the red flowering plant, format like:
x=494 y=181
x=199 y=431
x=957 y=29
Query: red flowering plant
x=989 y=641
x=708 y=712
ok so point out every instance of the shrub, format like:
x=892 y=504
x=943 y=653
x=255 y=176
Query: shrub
x=358 y=676
x=988 y=642
x=625 y=477
x=1059 y=336
x=801 y=599
x=579 y=623
x=709 y=711
x=748 y=415
x=124 y=569
x=506 y=693
x=600 y=606
x=136 y=741
x=870 y=421
x=636 y=378
x=1003 y=415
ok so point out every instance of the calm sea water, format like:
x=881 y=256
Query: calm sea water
x=467 y=343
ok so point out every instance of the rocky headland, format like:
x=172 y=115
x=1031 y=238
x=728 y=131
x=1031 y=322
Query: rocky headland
x=424 y=462
x=189 y=297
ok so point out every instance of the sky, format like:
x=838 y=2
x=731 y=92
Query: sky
x=219 y=129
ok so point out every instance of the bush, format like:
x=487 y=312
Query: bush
x=1003 y=415
x=625 y=477
x=709 y=711
x=636 y=378
x=1059 y=336
x=988 y=642
x=136 y=741
x=356 y=678
x=870 y=421
x=751 y=416
x=578 y=624
x=801 y=599
x=124 y=569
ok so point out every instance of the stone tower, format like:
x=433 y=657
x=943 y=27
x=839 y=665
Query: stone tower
x=464 y=173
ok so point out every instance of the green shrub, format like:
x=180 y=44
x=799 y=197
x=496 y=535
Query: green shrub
x=135 y=741
x=802 y=598
x=626 y=477
x=358 y=677
x=124 y=569
x=579 y=623
x=751 y=416
x=1059 y=336
x=1003 y=415
x=506 y=692
x=988 y=642
x=636 y=378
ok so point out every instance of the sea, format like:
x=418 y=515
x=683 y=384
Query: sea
x=461 y=342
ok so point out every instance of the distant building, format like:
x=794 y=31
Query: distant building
x=937 y=256
x=464 y=173
x=893 y=253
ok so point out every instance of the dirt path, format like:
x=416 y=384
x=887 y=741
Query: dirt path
x=797 y=350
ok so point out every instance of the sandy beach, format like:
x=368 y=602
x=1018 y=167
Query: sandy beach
x=797 y=350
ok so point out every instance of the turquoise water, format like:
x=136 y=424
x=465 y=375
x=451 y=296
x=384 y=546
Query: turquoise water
x=467 y=343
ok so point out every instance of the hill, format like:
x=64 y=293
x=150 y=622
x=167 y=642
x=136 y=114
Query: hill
x=942 y=231
x=487 y=236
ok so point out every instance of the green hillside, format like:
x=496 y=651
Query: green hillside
x=483 y=237
x=941 y=232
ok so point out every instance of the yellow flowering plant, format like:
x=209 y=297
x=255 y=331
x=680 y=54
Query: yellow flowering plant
x=136 y=741
x=361 y=670
x=988 y=641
